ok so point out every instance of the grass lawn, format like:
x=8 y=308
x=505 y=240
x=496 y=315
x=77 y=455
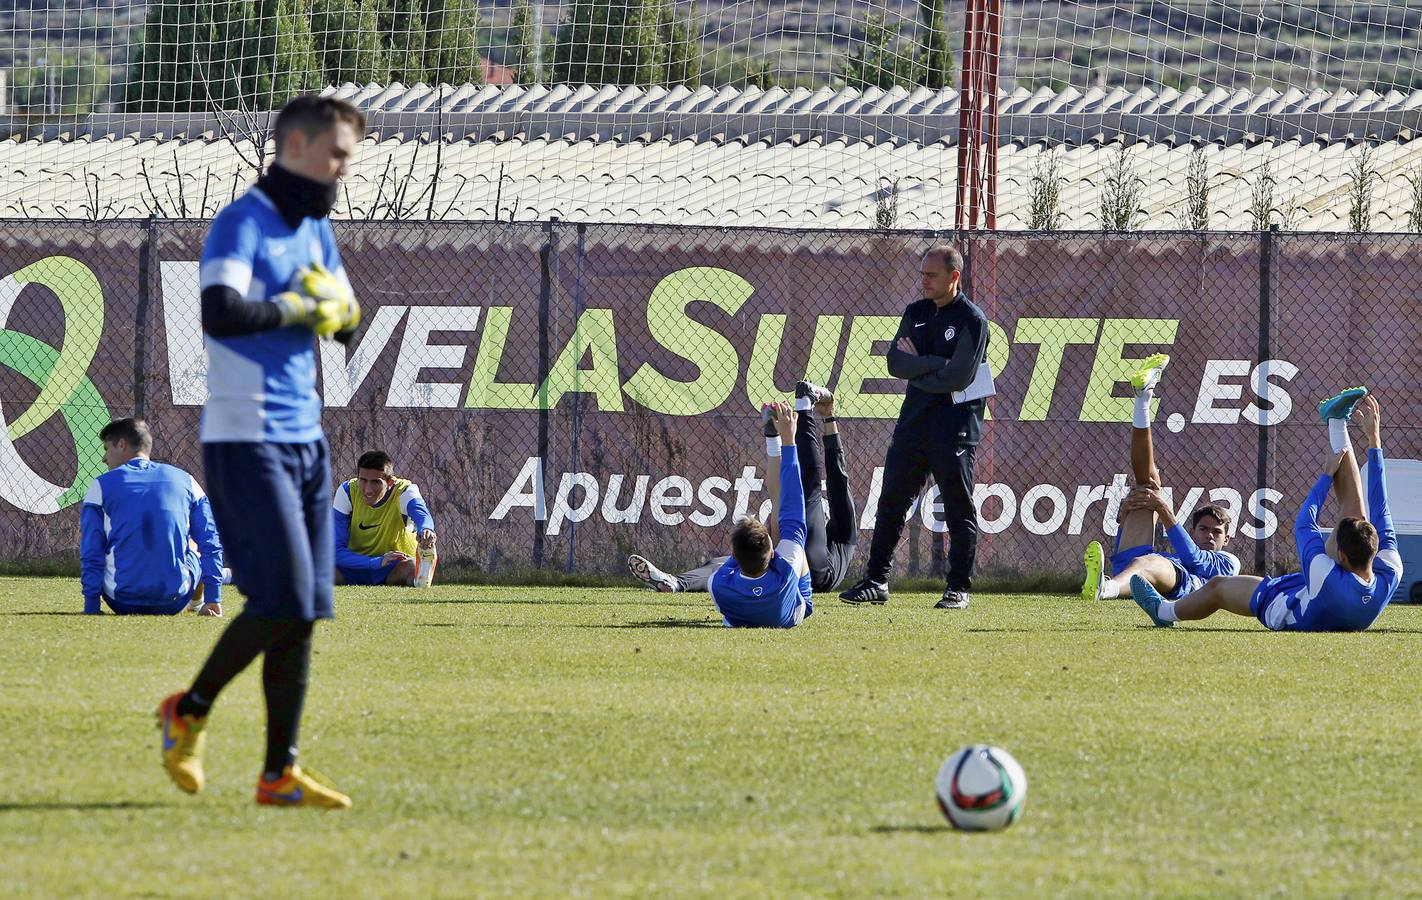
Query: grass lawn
x=563 y=741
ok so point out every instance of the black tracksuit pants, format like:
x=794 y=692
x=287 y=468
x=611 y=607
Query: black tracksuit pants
x=910 y=460
x=830 y=540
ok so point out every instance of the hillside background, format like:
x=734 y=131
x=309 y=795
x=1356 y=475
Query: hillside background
x=1048 y=44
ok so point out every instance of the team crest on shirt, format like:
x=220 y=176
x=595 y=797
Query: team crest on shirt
x=756 y=591
x=1367 y=598
x=950 y=333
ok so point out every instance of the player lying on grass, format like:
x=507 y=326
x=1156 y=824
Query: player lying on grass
x=830 y=538
x=383 y=509
x=148 y=544
x=1346 y=581
x=1199 y=552
x=765 y=584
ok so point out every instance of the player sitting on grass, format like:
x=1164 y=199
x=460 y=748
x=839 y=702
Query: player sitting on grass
x=1199 y=552
x=148 y=544
x=761 y=587
x=1346 y=581
x=374 y=515
x=829 y=542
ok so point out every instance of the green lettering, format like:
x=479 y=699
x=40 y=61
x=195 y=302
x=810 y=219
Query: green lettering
x=760 y=376
x=1051 y=337
x=1110 y=367
x=484 y=391
x=824 y=349
x=999 y=352
x=595 y=335
x=713 y=355
x=862 y=364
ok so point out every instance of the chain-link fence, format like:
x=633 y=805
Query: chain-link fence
x=567 y=394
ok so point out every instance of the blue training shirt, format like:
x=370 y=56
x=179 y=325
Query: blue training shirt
x=134 y=531
x=1204 y=563
x=780 y=598
x=1332 y=598
x=262 y=387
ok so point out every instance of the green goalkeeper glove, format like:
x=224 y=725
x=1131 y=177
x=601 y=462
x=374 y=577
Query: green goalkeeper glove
x=321 y=283
x=321 y=316
x=336 y=307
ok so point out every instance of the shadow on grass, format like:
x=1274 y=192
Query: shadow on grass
x=910 y=829
x=656 y=623
x=1039 y=630
x=42 y=612
x=98 y=806
x=488 y=602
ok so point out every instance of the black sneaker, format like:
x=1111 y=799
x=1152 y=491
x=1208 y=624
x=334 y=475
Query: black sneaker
x=767 y=420
x=811 y=390
x=952 y=599
x=867 y=591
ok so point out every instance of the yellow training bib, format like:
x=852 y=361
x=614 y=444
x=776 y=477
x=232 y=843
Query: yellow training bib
x=377 y=530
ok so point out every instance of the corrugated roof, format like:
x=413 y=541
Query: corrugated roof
x=749 y=157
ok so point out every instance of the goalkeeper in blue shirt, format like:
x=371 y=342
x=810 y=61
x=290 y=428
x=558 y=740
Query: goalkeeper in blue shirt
x=764 y=585
x=272 y=283
x=1346 y=581
x=148 y=544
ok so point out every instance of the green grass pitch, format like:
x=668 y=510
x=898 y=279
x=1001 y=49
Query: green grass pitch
x=593 y=742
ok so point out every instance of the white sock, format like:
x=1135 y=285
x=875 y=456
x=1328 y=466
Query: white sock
x=1166 y=611
x=1110 y=590
x=1141 y=417
x=1338 y=435
x=803 y=403
x=772 y=447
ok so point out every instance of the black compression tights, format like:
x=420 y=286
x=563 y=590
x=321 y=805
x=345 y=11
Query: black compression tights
x=287 y=645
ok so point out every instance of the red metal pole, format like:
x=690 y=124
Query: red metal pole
x=990 y=138
x=967 y=145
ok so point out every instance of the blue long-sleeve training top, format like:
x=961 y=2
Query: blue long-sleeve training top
x=135 y=527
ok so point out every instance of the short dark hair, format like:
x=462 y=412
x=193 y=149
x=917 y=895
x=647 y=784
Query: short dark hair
x=951 y=256
x=1213 y=510
x=313 y=114
x=750 y=547
x=131 y=431
x=1357 y=541
x=376 y=459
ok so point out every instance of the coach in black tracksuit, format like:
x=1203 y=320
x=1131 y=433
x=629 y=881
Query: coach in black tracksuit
x=941 y=342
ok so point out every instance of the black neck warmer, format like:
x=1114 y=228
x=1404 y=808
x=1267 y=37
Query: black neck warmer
x=297 y=197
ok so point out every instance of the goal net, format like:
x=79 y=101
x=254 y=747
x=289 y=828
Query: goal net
x=832 y=113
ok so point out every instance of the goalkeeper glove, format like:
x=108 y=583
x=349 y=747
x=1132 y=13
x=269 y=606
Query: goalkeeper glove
x=336 y=309
x=322 y=317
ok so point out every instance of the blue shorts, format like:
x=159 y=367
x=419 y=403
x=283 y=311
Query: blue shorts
x=1270 y=601
x=272 y=503
x=171 y=608
x=1184 y=581
x=366 y=576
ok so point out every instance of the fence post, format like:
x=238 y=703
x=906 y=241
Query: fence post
x=577 y=406
x=146 y=275
x=1266 y=293
x=545 y=293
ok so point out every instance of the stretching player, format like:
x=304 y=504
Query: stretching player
x=383 y=509
x=1346 y=582
x=1199 y=553
x=148 y=545
x=759 y=587
x=829 y=546
x=272 y=282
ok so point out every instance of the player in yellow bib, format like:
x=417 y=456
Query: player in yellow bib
x=384 y=531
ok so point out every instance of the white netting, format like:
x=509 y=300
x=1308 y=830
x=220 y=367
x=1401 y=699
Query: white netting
x=826 y=112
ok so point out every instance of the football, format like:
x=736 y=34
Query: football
x=981 y=788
